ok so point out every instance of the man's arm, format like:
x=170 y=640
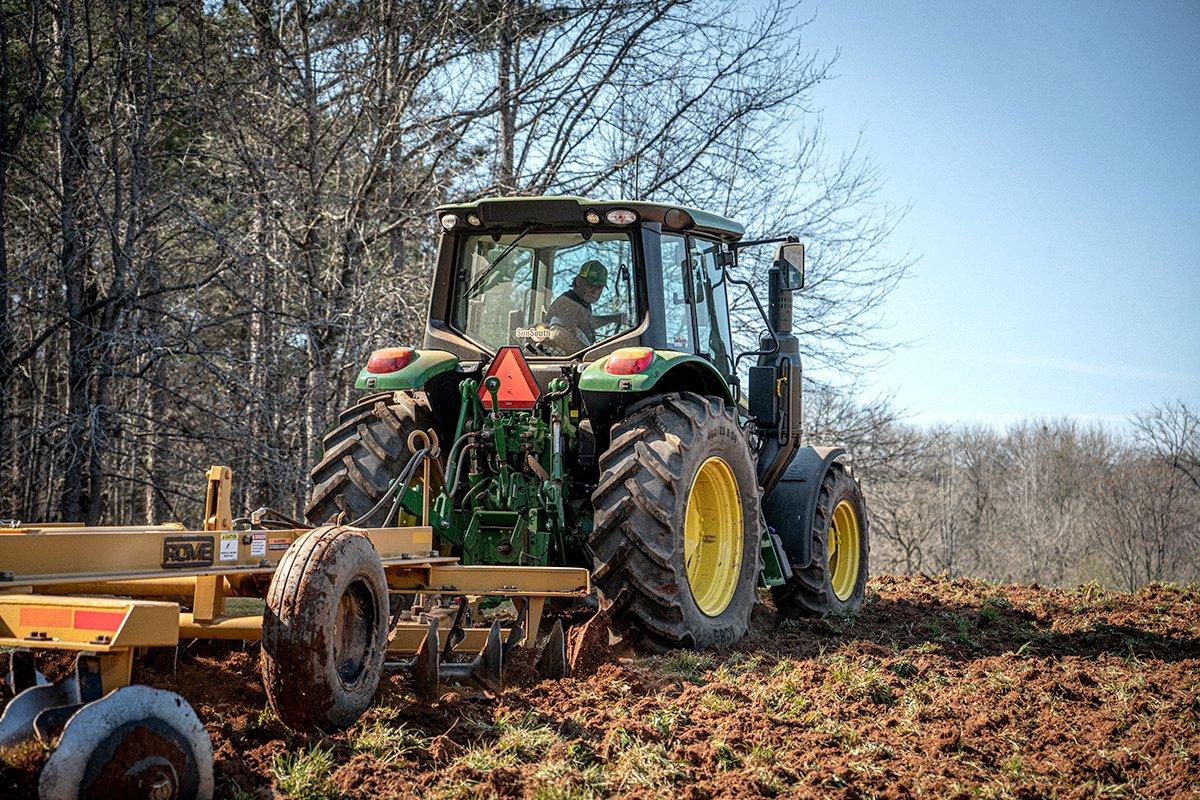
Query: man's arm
x=609 y=319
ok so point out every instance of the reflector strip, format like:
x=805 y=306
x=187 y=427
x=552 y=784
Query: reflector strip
x=99 y=620
x=43 y=617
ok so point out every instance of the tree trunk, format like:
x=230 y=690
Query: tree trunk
x=505 y=179
x=72 y=272
x=7 y=447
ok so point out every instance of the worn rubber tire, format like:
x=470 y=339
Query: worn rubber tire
x=638 y=534
x=810 y=591
x=330 y=581
x=363 y=454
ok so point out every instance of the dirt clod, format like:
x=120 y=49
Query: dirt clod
x=587 y=646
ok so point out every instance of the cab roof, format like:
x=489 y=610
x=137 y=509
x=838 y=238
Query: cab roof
x=569 y=211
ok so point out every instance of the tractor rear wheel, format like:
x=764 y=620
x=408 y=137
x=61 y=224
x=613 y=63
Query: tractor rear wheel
x=678 y=524
x=836 y=580
x=362 y=456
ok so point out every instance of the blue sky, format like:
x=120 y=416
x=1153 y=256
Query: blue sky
x=1051 y=155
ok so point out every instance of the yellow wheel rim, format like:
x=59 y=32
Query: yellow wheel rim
x=843 y=550
x=712 y=536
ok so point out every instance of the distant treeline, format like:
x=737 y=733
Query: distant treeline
x=1055 y=502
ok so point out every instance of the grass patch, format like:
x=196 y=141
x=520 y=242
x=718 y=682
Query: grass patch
x=386 y=740
x=305 y=775
x=862 y=680
x=1012 y=767
x=264 y=720
x=244 y=606
x=562 y=780
x=785 y=698
x=517 y=739
x=725 y=756
x=719 y=703
x=739 y=664
x=761 y=756
x=637 y=763
x=964 y=627
x=688 y=665
x=664 y=721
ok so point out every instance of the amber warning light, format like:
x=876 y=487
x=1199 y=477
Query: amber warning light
x=518 y=390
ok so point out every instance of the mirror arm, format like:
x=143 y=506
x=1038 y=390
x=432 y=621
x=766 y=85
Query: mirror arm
x=789 y=239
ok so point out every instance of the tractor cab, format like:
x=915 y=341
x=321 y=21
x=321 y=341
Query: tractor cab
x=571 y=280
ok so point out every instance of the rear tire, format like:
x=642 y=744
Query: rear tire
x=814 y=591
x=325 y=630
x=667 y=450
x=363 y=455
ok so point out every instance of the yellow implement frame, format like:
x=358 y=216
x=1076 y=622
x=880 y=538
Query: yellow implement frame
x=50 y=572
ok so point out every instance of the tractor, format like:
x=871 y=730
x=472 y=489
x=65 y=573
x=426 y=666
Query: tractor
x=581 y=396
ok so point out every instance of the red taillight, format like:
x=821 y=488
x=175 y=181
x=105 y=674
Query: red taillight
x=518 y=390
x=629 y=361
x=389 y=359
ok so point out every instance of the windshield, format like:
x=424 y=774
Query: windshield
x=552 y=294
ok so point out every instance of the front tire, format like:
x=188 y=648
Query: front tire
x=678 y=524
x=836 y=580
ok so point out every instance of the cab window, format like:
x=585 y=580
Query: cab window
x=677 y=314
x=712 y=304
x=550 y=293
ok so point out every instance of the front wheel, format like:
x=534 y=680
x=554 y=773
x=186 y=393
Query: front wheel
x=678 y=524
x=836 y=579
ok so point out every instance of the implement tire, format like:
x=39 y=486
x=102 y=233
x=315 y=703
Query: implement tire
x=363 y=455
x=835 y=582
x=678 y=524
x=325 y=630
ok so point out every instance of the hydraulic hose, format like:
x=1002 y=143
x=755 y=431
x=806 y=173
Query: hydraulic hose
x=397 y=488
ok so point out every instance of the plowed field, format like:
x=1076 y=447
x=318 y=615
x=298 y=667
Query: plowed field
x=938 y=688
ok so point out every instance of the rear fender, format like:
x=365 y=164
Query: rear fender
x=424 y=366
x=792 y=504
x=668 y=371
x=606 y=397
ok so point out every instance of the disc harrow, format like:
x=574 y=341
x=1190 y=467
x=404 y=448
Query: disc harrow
x=338 y=606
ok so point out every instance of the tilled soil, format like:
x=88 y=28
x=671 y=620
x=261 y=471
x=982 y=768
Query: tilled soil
x=937 y=688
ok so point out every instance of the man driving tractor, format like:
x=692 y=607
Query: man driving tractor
x=571 y=312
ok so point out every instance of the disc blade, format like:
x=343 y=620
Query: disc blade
x=16 y=725
x=552 y=664
x=487 y=670
x=134 y=742
x=425 y=666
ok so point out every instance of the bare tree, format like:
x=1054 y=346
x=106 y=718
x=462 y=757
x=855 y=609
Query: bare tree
x=1172 y=431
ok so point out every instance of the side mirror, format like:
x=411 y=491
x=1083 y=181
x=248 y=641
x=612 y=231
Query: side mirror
x=789 y=258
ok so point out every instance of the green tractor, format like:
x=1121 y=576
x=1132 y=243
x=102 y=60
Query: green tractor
x=578 y=403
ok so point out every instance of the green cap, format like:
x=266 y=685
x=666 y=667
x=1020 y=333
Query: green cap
x=594 y=273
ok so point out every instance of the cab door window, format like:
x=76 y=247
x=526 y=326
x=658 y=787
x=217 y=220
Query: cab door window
x=677 y=313
x=712 y=304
